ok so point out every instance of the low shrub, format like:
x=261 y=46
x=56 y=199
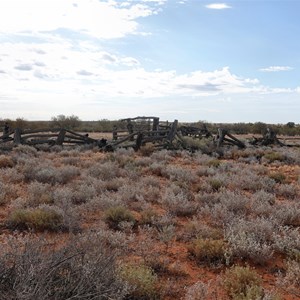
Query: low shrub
x=263 y=197
x=287 y=190
x=83 y=268
x=208 y=251
x=288 y=214
x=287 y=241
x=39 y=193
x=141 y=280
x=195 y=229
x=216 y=184
x=105 y=171
x=5 y=193
x=83 y=193
x=278 y=177
x=148 y=216
x=114 y=216
x=292 y=273
x=179 y=202
x=215 y=163
x=251 y=240
x=25 y=150
x=40 y=219
x=6 y=162
x=46 y=173
x=147 y=150
x=199 y=290
x=242 y=283
x=273 y=156
x=179 y=174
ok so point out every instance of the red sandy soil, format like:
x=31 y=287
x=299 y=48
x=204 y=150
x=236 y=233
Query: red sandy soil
x=182 y=271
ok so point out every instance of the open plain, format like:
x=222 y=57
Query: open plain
x=82 y=224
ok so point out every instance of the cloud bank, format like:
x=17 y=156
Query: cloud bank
x=100 y=19
x=217 y=6
x=276 y=69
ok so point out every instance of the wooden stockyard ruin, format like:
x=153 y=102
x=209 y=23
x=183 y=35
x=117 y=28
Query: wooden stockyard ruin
x=140 y=131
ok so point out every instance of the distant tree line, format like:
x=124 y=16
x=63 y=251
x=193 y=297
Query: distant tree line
x=289 y=128
x=74 y=123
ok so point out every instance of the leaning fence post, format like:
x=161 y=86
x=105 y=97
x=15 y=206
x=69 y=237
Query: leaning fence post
x=61 y=137
x=17 y=136
x=173 y=131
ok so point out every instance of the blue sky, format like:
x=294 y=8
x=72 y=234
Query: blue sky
x=233 y=61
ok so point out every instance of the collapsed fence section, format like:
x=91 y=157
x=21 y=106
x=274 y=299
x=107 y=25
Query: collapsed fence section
x=50 y=136
x=140 y=131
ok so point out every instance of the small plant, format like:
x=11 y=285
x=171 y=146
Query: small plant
x=208 y=251
x=292 y=273
x=148 y=216
x=114 y=216
x=147 y=150
x=39 y=219
x=278 y=177
x=179 y=202
x=251 y=240
x=141 y=280
x=200 y=290
x=288 y=214
x=25 y=150
x=242 y=283
x=287 y=190
x=39 y=193
x=5 y=193
x=264 y=198
x=215 y=163
x=273 y=156
x=215 y=184
x=166 y=234
x=6 y=162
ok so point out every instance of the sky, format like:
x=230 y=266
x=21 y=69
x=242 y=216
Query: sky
x=191 y=60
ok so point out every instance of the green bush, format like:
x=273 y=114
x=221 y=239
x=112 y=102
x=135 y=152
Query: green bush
x=243 y=283
x=142 y=281
x=214 y=163
x=208 y=251
x=215 y=184
x=278 y=177
x=273 y=156
x=115 y=215
x=148 y=216
x=39 y=219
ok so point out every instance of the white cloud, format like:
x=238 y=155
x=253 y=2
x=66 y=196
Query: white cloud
x=87 y=72
x=217 y=6
x=276 y=69
x=101 y=19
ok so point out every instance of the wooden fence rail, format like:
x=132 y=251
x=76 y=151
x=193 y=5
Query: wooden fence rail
x=140 y=130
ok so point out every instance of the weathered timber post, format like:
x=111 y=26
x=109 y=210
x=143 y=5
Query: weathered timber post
x=172 y=131
x=17 y=136
x=236 y=141
x=139 y=141
x=220 y=136
x=130 y=129
x=61 y=137
x=115 y=133
x=155 y=124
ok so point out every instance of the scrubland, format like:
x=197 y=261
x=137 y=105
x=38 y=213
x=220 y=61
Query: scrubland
x=81 y=224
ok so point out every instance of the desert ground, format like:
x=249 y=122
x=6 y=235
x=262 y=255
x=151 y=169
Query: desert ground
x=82 y=224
